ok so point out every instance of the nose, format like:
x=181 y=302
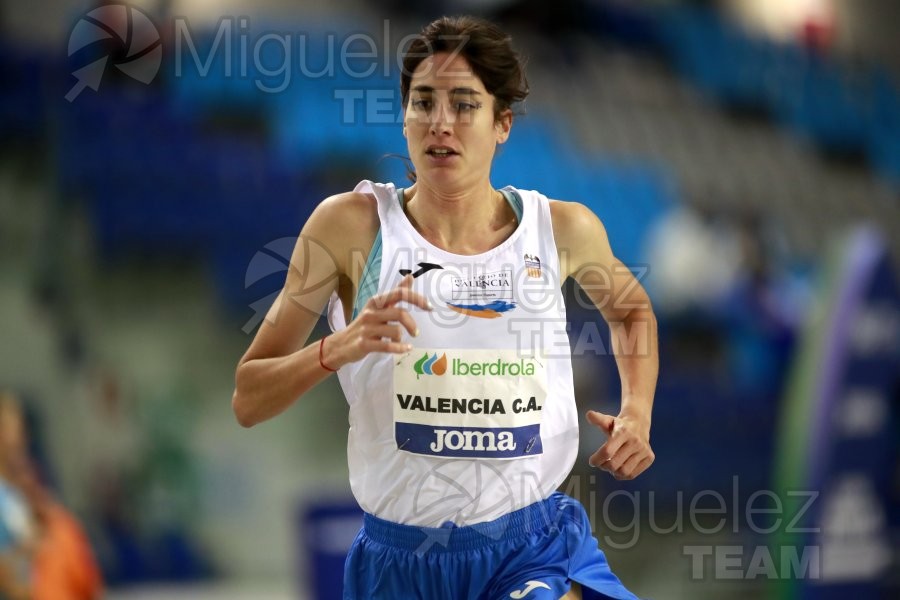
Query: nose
x=442 y=118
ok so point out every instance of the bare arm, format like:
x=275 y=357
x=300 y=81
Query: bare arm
x=586 y=255
x=278 y=368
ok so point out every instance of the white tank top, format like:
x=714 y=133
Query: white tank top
x=479 y=419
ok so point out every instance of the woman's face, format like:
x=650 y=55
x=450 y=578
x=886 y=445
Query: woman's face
x=449 y=124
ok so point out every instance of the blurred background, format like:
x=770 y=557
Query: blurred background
x=158 y=159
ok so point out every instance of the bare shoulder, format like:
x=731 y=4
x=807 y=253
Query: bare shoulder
x=573 y=221
x=344 y=221
x=321 y=263
x=344 y=226
x=579 y=234
x=348 y=212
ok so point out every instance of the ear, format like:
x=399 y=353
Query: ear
x=503 y=125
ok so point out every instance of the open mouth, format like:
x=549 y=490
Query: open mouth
x=440 y=152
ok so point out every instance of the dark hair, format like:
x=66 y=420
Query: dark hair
x=487 y=49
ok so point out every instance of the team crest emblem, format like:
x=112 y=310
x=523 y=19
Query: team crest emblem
x=533 y=265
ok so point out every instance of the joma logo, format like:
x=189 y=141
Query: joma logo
x=452 y=439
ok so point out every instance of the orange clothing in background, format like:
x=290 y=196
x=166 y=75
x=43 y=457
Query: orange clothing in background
x=64 y=567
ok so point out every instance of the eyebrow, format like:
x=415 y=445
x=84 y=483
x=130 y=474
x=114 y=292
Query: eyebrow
x=457 y=90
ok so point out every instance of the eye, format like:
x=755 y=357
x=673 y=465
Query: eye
x=421 y=104
x=464 y=107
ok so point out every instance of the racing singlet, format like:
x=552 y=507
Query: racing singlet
x=479 y=419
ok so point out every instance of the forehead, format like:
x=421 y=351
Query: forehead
x=445 y=71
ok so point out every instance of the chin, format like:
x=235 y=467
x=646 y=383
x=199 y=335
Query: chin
x=430 y=173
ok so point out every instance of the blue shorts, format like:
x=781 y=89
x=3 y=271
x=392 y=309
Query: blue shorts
x=533 y=553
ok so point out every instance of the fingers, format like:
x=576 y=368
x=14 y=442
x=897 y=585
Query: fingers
x=627 y=463
x=402 y=293
x=599 y=458
x=370 y=319
x=636 y=465
x=382 y=307
x=386 y=330
x=397 y=314
x=626 y=453
x=606 y=423
x=627 y=469
x=384 y=345
x=601 y=420
x=380 y=325
x=611 y=455
x=373 y=335
x=382 y=337
x=613 y=462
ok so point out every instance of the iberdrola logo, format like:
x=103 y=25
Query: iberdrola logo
x=431 y=365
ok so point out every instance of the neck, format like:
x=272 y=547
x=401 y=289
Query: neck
x=466 y=221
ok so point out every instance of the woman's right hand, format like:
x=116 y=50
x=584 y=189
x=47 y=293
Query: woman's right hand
x=378 y=327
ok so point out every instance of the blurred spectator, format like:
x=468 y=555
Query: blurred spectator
x=110 y=464
x=51 y=558
x=723 y=272
x=16 y=523
x=758 y=314
x=694 y=261
x=64 y=566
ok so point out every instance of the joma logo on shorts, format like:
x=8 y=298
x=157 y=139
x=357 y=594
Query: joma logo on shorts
x=452 y=439
x=529 y=587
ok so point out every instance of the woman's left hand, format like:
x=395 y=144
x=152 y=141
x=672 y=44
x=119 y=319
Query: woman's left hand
x=626 y=452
